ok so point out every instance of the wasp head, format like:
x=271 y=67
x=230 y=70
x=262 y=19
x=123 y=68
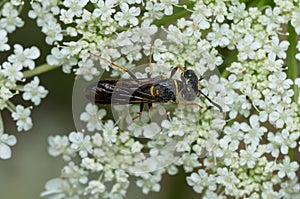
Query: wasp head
x=190 y=85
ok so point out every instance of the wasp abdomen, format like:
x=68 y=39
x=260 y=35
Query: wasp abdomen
x=166 y=90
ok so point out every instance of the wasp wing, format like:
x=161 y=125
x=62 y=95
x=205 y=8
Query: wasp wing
x=123 y=91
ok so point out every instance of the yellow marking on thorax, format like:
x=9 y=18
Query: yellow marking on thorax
x=176 y=86
x=151 y=90
x=157 y=92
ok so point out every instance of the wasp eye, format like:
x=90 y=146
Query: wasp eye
x=189 y=94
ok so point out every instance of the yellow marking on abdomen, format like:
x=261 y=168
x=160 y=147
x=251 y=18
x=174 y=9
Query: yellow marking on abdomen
x=151 y=90
x=176 y=86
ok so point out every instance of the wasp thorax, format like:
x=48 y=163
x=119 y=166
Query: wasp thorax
x=190 y=81
x=188 y=93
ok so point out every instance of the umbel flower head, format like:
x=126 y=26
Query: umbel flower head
x=246 y=152
x=262 y=115
x=16 y=71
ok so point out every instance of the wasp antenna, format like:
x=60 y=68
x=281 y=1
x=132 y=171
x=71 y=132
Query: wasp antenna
x=116 y=65
x=212 y=102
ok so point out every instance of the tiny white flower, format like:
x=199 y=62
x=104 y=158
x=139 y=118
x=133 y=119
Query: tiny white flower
x=53 y=32
x=295 y=21
x=183 y=146
x=75 y=6
x=110 y=131
x=59 y=58
x=290 y=188
x=95 y=187
x=66 y=16
x=105 y=9
x=58 y=188
x=276 y=49
x=220 y=35
x=227 y=179
x=281 y=116
x=220 y=11
x=273 y=146
x=287 y=168
x=272 y=19
x=136 y=147
x=247 y=47
x=34 y=92
x=22 y=116
x=200 y=16
x=237 y=12
x=5 y=94
x=254 y=133
x=227 y=150
x=127 y=15
x=12 y=71
x=286 y=140
x=80 y=143
x=91 y=164
x=268 y=191
x=60 y=145
x=167 y=6
x=149 y=182
x=10 y=19
x=97 y=139
x=150 y=130
x=87 y=70
x=154 y=12
x=143 y=34
x=3 y=41
x=175 y=127
x=189 y=161
x=75 y=173
x=249 y=156
x=24 y=57
x=92 y=116
x=201 y=180
x=6 y=141
x=279 y=82
x=233 y=132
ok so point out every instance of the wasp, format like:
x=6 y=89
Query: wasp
x=160 y=89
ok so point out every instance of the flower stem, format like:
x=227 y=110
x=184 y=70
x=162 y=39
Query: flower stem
x=292 y=71
x=2 y=3
x=291 y=62
x=292 y=154
x=177 y=13
x=1 y=124
x=11 y=107
x=39 y=70
x=259 y=3
x=231 y=57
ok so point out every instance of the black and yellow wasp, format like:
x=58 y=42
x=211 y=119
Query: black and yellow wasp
x=148 y=90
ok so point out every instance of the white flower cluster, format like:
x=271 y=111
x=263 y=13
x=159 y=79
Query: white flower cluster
x=250 y=154
x=13 y=76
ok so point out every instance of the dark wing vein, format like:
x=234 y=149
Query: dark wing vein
x=122 y=91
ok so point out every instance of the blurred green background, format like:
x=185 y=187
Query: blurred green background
x=25 y=174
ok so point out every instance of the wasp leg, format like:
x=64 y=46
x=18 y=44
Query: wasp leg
x=174 y=70
x=188 y=104
x=149 y=74
x=116 y=65
x=139 y=113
